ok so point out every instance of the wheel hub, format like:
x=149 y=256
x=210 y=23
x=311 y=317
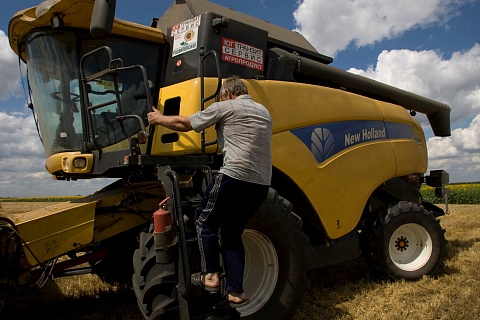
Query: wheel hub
x=401 y=243
x=410 y=247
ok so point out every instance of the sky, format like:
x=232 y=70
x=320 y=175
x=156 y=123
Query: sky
x=428 y=47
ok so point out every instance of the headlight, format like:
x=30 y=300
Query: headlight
x=79 y=162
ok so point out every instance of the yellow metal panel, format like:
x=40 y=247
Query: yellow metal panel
x=394 y=113
x=189 y=94
x=291 y=105
x=57 y=162
x=411 y=154
x=411 y=157
x=76 y=14
x=113 y=197
x=110 y=224
x=294 y=105
x=339 y=188
x=137 y=31
x=352 y=174
x=64 y=162
x=56 y=229
x=125 y=207
x=54 y=162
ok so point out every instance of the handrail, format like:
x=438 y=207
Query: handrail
x=115 y=66
x=203 y=57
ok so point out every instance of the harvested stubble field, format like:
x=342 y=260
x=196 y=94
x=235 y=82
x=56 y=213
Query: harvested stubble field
x=344 y=291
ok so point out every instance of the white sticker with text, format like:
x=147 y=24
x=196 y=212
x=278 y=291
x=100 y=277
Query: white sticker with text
x=242 y=54
x=185 y=35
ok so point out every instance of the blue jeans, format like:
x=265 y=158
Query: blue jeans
x=226 y=207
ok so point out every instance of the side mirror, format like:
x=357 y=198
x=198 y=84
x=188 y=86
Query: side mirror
x=102 y=18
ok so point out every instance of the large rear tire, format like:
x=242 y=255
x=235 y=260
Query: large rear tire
x=275 y=270
x=404 y=241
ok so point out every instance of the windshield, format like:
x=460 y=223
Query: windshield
x=53 y=60
x=53 y=78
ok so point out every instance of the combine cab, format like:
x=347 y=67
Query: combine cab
x=348 y=158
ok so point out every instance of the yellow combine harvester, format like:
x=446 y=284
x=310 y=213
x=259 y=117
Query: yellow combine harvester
x=348 y=157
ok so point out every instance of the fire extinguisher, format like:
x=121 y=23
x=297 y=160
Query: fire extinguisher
x=161 y=218
x=164 y=236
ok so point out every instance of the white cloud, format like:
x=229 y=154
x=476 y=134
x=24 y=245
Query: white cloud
x=10 y=83
x=441 y=148
x=465 y=168
x=468 y=139
x=22 y=163
x=332 y=26
x=454 y=81
x=19 y=137
x=459 y=154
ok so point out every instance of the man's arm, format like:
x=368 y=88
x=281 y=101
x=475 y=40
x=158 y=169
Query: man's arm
x=177 y=123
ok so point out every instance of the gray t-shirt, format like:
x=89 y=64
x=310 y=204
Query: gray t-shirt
x=244 y=132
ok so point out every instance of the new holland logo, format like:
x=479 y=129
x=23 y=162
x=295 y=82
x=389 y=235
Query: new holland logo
x=328 y=139
x=322 y=144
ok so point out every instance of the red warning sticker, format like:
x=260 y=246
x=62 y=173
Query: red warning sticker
x=243 y=54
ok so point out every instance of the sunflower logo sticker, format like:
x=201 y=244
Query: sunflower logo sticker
x=185 y=36
x=189 y=35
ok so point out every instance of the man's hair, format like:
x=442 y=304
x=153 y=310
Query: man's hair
x=233 y=85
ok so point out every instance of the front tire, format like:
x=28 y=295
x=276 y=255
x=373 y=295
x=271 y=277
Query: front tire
x=154 y=284
x=404 y=242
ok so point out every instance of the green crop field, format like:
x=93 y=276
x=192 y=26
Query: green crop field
x=41 y=199
x=464 y=193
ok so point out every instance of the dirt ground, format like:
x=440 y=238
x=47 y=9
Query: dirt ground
x=340 y=292
x=19 y=207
